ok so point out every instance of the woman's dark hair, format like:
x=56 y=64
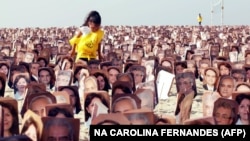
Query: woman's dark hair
x=70 y=60
x=107 y=87
x=27 y=124
x=57 y=110
x=94 y=17
x=77 y=105
x=124 y=88
x=188 y=52
x=127 y=66
x=76 y=70
x=52 y=75
x=2 y=91
x=41 y=58
x=13 y=68
x=89 y=99
x=241 y=97
x=130 y=76
x=14 y=129
x=4 y=64
x=236 y=48
x=227 y=65
x=17 y=79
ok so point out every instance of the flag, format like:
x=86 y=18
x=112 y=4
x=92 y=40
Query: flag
x=216 y=6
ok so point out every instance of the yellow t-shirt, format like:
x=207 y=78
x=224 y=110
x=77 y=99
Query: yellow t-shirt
x=199 y=19
x=87 y=45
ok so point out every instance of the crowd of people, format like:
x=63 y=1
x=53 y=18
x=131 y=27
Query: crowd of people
x=117 y=75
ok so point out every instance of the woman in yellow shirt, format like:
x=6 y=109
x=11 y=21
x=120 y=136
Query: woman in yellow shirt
x=86 y=45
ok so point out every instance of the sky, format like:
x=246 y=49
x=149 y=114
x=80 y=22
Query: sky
x=64 y=13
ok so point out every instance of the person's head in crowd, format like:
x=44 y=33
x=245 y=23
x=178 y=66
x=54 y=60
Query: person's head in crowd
x=42 y=61
x=192 y=66
x=36 y=54
x=25 y=65
x=226 y=86
x=34 y=67
x=247 y=69
x=112 y=74
x=242 y=87
x=77 y=73
x=15 y=69
x=121 y=87
x=2 y=84
x=64 y=49
x=189 y=54
x=59 y=112
x=197 y=58
x=68 y=62
x=126 y=55
x=140 y=52
x=90 y=102
x=159 y=68
x=39 y=47
x=180 y=66
x=46 y=76
x=63 y=78
x=127 y=66
x=93 y=21
x=30 y=129
x=104 y=65
x=125 y=102
x=111 y=55
x=247 y=54
x=167 y=63
x=58 y=129
x=19 y=57
x=28 y=57
x=93 y=64
x=128 y=78
x=74 y=97
x=37 y=103
x=10 y=119
x=210 y=76
x=6 y=50
x=235 y=48
x=4 y=68
x=185 y=83
x=139 y=73
x=116 y=62
x=225 y=111
x=203 y=64
x=54 y=51
x=102 y=79
x=243 y=101
x=224 y=68
x=239 y=75
x=20 y=83
x=90 y=84
x=214 y=50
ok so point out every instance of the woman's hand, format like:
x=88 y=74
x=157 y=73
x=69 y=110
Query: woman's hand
x=78 y=33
